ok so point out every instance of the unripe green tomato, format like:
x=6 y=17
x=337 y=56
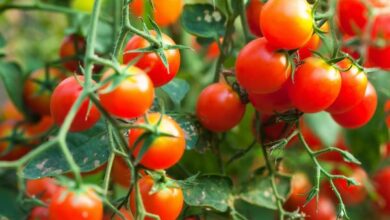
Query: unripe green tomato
x=83 y=5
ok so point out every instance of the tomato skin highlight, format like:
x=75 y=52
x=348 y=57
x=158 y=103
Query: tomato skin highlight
x=219 y=107
x=362 y=113
x=63 y=97
x=43 y=188
x=167 y=203
x=353 y=87
x=85 y=205
x=315 y=86
x=150 y=62
x=163 y=152
x=131 y=98
x=260 y=69
x=253 y=11
x=37 y=99
x=287 y=24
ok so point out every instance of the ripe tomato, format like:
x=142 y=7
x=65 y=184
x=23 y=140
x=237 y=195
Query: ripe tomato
x=10 y=113
x=163 y=152
x=312 y=45
x=273 y=131
x=387 y=112
x=121 y=172
x=72 y=49
x=150 y=62
x=362 y=113
x=315 y=86
x=63 y=97
x=166 y=12
x=40 y=127
x=381 y=180
x=353 y=86
x=43 y=188
x=352 y=22
x=378 y=53
x=287 y=24
x=18 y=149
x=39 y=213
x=219 y=107
x=38 y=88
x=167 y=202
x=83 y=204
x=132 y=97
x=269 y=103
x=253 y=11
x=260 y=68
x=213 y=50
x=83 y=5
x=351 y=195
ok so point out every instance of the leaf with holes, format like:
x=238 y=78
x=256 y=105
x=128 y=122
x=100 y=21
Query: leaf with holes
x=89 y=149
x=177 y=89
x=211 y=191
x=203 y=20
x=259 y=191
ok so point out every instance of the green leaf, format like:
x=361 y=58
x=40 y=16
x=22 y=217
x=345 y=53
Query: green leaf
x=324 y=127
x=2 y=41
x=211 y=191
x=9 y=207
x=89 y=149
x=203 y=20
x=177 y=89
x=251 y=211
x=12 y=76
x=259 y=191
x=197 y=138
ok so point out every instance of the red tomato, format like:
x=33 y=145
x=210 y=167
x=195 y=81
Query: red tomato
x=163 y=152
x=253 y=15
x=76 y=205
x=166 y=12
x=361 y=114
x=38 y=89
x=260 y=68
x=378 y=55
x=315 y=86
x=10 y=113
x=121 y=172
x=350 y=21
x=287 y=24
x=132 y=97
x=381 y=180
x=72 y=49
x=43 y=188
x=219 y=107
x=167 y=203
x=353 y=87
x=39 y=213
x=18 y=150
x=63 y=97
x=387 y=111
x=150 y=62
x=351 y=195
x=313 y=44
x=40 y=127
x=269 y=103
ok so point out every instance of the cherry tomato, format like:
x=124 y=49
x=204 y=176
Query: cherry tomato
x=287 y=24
x=167 y=202
x=166 y=12
x=353 y=87
x=10 y=113
x=381 y=180
x=253 y=15
x=351 y=194
x=38 y=88
x=63 y=97
x=121 y=172
x=43 y=188
x=260 y=68
x=312 y=45
x=362 y=113
x=40 y=127
x=219 y=107
x=18 y=149
x=150 y=62
x=315 y=86
x=83 y=204
x=39 y=213
x=278 y=101
x=132 y=97
x=72 y=49
x=163 y=152
x=378 y=53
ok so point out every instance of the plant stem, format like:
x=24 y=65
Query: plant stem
x=244 y=22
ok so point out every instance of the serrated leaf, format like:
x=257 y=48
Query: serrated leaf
x=324 y=127
x=211 y=191
x=177 y=89
x=203 y=20
x=259 y=191
x=89 y=149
